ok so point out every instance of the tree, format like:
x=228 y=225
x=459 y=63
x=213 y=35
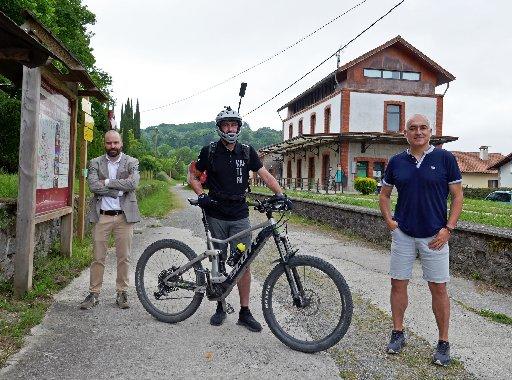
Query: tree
x=136 y=121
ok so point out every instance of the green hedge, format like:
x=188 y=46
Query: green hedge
x=480 y=193
x=365 y=185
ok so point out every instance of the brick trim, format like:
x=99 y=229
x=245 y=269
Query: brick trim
x=401 y=126
x=345 y=110
x=327 y=120
x=439 y=116
x=344 y=150
x=371 y=161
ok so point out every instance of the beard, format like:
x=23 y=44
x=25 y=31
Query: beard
x=114 y=152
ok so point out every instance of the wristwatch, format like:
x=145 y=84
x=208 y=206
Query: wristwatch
x=450 y=230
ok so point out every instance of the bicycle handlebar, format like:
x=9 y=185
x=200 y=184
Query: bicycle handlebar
x=268 y=204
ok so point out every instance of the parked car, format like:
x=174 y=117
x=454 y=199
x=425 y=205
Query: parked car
x=500 y=196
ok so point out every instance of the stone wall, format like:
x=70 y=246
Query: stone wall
x=477 y=251
x=45 y=235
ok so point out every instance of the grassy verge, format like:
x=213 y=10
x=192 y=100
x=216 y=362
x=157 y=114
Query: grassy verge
x=490 y=213
x=489 y=314
x=51 y=274
x=157 y=201
x=8 y=185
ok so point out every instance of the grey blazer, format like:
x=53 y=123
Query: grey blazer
x=126 y=181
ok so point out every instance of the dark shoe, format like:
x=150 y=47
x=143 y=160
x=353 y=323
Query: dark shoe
x=246 y=319
x=90 y=301
x=122 y=300
x=396 y=343
x=442 y=354
x=218 y=318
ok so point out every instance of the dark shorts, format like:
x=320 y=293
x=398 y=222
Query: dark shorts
x=222 y=229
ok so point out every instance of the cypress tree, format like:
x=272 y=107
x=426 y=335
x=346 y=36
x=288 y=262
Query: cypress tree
x=136 y=129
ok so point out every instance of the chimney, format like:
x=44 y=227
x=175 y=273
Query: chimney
x=484 y=153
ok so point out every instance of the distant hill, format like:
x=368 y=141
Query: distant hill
x=198 y=134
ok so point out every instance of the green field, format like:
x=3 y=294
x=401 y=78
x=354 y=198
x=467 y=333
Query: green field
x=490 y=213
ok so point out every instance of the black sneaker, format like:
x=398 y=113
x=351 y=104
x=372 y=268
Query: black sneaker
x=396 y=343
x=442 y=354
x=218 y=318
x=246 y=319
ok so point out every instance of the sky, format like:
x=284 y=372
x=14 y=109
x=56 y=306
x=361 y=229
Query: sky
x=162 y=50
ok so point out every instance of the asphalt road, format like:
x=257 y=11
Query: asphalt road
x=109 y=343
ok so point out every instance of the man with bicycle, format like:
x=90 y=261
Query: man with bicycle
x=227 y=164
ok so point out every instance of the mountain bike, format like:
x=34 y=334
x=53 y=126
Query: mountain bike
x=306 y=302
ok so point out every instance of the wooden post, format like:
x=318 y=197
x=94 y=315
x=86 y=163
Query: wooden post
x=27 y=180
x=66 y=222
x=82 y=176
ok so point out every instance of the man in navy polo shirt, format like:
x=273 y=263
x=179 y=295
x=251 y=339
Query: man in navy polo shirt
x=423 y=176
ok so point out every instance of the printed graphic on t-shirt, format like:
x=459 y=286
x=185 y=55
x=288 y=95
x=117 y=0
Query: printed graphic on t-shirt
x=239 y=166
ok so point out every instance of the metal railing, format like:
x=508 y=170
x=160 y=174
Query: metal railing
x=326 y=185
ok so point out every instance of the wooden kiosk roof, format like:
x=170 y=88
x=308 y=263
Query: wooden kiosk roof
x=33 y=45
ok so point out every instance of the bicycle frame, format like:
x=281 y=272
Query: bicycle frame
x=268 y=228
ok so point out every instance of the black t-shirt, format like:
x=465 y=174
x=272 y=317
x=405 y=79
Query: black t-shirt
x=228 y=176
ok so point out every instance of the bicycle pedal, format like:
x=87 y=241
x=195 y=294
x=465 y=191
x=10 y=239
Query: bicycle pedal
x=228 y=308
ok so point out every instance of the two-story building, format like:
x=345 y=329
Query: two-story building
x=354 y=118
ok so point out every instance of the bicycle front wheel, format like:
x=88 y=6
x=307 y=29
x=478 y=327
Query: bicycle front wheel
x=177 y=298
x=322 y=315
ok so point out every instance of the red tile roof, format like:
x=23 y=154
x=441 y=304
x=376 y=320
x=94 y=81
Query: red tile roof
x=501 y=162
x=470 y=162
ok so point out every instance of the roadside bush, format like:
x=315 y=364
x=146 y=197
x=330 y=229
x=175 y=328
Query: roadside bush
x=365 y=185
x=480 y=193
x=162 y=176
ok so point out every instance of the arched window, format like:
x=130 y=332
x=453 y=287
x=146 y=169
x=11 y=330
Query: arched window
x=327 y=119
x=300 y=127
x=290 y=131
x=312 y=122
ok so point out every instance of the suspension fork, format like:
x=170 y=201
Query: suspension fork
x=285 y=251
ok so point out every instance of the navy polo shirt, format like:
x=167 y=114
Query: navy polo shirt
x=228 y=175
x=422 y=186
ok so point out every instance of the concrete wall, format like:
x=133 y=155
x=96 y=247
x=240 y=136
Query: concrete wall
x=334 y=102
x=475 y=250
x=479 y=180
x=367 y=110
x=505 y=175
x=45 y=235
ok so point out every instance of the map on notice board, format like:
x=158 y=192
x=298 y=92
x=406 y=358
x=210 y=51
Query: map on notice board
x=54 y=139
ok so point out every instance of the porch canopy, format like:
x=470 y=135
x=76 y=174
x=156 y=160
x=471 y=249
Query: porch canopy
x=314 y=142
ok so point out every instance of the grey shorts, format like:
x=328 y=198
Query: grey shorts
x=222 y=229
x=435 y=264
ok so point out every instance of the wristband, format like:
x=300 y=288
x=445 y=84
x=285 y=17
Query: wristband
x=450 y=230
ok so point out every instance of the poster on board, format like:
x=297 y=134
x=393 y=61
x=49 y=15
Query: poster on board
x=52 y=189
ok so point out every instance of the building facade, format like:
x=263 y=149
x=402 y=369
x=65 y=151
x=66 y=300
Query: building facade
x=504 y=168
x=353 y=119
x=474 y=167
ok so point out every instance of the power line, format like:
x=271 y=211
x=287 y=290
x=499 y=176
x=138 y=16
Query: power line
x=325 y=60
x=259 y=63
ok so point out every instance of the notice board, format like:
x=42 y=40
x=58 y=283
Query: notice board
x=52 y=189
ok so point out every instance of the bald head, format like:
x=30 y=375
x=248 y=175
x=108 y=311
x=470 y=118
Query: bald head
x=113 y=143
x=418 y=119
x=113 y=132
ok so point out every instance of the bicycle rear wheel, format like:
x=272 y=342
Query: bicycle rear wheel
x=323 y=316
x=178 y=299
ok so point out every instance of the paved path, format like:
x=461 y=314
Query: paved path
x=106 y=342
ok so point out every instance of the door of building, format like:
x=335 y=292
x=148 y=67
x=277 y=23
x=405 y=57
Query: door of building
x=325 y=168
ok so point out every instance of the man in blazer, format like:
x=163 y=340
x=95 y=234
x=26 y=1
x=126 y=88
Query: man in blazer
x=113 y=179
